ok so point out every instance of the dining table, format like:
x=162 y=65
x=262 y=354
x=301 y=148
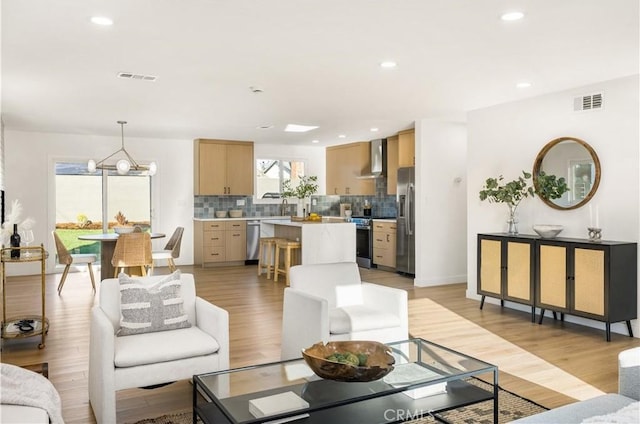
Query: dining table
x=107 y=247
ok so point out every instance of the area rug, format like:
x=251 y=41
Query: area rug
x=511 y=407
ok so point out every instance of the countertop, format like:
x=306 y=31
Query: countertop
x=279 y=218
x=301 y=223
x=245 y=218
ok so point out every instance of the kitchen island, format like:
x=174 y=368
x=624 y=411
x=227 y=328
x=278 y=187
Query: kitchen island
x=322 y=241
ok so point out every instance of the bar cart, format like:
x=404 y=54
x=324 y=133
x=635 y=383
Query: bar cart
x=25 y=325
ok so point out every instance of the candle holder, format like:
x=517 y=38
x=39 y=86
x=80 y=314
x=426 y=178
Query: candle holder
x=595 y=234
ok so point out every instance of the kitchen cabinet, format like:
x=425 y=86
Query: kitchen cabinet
x=223 y=167
x=384 y=243
x=345 y=163
x=406 y=148
x=221 y=241
x=591 y=280
x=392 y=164
x=506 y=266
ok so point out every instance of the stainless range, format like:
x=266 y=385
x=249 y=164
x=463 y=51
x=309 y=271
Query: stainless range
x=364 y=240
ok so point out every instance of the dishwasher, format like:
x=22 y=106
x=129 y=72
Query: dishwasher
x=253 y=241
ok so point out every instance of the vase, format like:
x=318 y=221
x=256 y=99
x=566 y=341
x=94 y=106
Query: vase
x=512 y=222
x=300 y=209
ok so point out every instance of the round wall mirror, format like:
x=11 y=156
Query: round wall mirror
x=577 y=162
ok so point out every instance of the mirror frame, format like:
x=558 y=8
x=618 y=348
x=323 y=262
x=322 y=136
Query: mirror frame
x=537 y=165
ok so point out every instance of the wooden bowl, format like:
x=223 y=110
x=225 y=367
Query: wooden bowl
x=379 y=360
x=221 y=214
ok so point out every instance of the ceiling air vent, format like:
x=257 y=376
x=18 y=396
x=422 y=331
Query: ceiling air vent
x=140 y=77
x=588 y=102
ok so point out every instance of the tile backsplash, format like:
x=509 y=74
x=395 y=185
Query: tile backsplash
x=382 y=204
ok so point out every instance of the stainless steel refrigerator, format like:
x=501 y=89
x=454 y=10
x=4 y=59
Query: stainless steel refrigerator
x=405 y=238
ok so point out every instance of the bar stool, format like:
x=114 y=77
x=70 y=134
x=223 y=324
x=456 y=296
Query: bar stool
x=266 y=255
x=289 y=247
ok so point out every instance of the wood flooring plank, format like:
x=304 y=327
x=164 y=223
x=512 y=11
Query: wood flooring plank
x=255 y=309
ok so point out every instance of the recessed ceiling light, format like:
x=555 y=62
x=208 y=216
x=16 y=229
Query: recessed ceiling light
x=374 y=129
x=512 y=16
x=315 y=141
x=388 y=64
x=299 y=128
x=523 y=84
x=101 y=20
x=342 y=136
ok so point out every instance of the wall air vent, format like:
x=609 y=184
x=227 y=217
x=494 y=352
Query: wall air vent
x=140 y=77
x=588 y=102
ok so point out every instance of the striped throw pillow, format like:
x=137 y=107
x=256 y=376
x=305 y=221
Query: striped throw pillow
x=147 y=308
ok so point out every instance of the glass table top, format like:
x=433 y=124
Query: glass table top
x=418 y=363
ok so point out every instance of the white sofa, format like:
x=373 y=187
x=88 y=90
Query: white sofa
x=141 y=360
x=621 y=407
x=329 y=302
x=27 y=397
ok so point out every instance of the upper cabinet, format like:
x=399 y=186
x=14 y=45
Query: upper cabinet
x=345 y=163
x=223 y=167
x=400 y=153
x=392 y=164
x=406 y=148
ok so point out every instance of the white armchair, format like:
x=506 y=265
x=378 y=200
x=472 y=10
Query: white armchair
x=140 y=360
x=329 y=302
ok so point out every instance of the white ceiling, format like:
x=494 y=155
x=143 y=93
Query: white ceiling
x=316 y=60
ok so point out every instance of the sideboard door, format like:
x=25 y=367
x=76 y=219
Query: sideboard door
x=553 y=283
x=589 y=283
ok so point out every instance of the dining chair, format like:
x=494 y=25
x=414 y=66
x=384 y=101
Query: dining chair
x=132 y=250
x=171 y=250
x=65 y=258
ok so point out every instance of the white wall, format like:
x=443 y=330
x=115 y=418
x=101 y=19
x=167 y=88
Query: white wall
x=506 y=139
x=29 y=167
x=441 y=202
x=29 y=177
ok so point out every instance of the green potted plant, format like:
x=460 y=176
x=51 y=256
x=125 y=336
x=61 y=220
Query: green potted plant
x=511 y=193
x=306 y=187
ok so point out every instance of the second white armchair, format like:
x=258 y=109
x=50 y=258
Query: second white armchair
x=329 y=302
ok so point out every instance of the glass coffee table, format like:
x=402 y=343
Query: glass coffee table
x=427 y=378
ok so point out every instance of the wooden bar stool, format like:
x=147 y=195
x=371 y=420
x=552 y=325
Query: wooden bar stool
x=289 y=247
x=266 y=255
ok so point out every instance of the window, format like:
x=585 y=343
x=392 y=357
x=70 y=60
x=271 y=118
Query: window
x=88 y=202
x=271 y=173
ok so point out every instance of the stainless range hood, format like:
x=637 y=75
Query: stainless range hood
x=378 y=159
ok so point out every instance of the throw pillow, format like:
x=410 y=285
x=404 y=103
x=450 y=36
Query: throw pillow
x=147 y=308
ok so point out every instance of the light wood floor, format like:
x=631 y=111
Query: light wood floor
x=576 y=354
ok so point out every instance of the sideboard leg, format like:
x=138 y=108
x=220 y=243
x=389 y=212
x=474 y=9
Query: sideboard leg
x=533 y=314
x=629 y=328
x=541 y=316
x=608 y=330
x=482 y=302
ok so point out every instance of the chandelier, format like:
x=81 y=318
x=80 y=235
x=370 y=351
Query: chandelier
x=122 y=166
